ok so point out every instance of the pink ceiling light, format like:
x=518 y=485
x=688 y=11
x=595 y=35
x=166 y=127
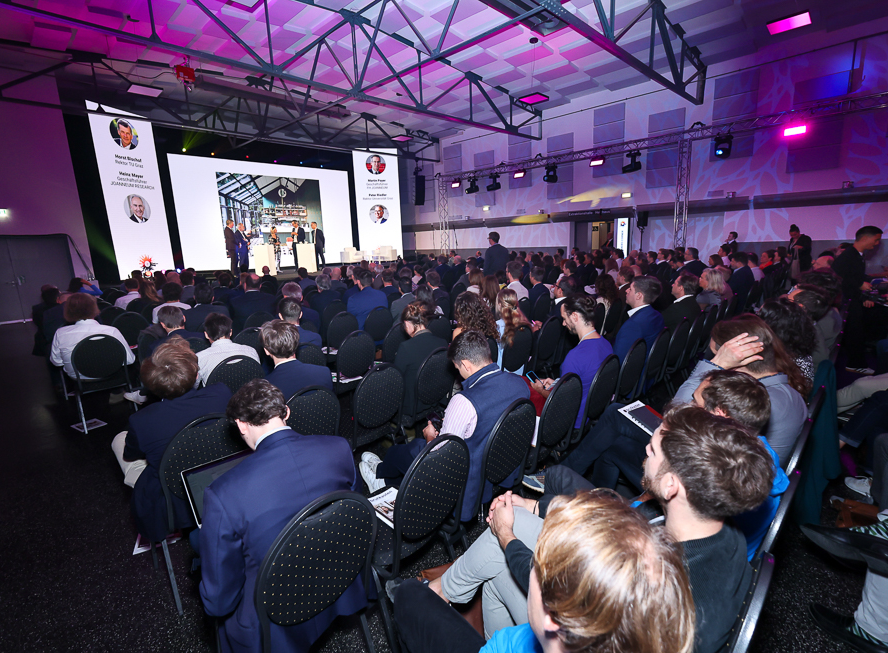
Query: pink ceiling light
x=798 y=130
x=534 y=98
x=786 y=24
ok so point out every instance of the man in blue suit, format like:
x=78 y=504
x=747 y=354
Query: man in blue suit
x=172 y=321
x=252 y=301
x=325 y=295
x=644 y=321
x=247 y=507
x=281 y=341
x=290 y=310
x=293 y=291
x=741 y=280
x=366 y=299
x=170 y=374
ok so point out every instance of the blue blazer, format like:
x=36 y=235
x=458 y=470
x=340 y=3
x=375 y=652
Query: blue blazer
x=194 y=317
x=307 y=337
x=251 y=302
x=290 y=377
x=182 y=333
x=244 y=511
x=311 y=315
x=365 y=301
x=646 y=323
x=150 y=431
x=323 y=299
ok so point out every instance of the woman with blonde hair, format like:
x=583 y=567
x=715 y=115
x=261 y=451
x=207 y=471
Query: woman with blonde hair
x=714 y=288
x=509 y=320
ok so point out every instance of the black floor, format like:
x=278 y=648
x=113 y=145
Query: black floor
x=71 y=583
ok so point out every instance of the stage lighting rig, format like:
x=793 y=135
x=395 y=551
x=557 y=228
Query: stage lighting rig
x=723 y=146
x=494 y=184
x=473 y=186
x=551 y=176
x=634 y=164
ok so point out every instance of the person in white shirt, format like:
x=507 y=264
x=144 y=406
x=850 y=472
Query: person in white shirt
x=81 y=309
x=513 y=274
x=132 y=292
x=753 y=263
x=217 y=329
x=172 y=293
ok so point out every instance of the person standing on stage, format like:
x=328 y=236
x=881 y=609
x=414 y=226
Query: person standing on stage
x=243 y=248
x=231 y=245
x=276 y=243
x=298 y=235
x=317 y=237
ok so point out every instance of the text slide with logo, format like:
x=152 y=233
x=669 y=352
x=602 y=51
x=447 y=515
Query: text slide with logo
x=131 y=186
x=378 y=199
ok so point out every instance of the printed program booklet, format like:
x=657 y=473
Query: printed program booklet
x=642 y=415
x=384 y=502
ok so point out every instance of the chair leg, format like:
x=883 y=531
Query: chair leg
x=386 y=615
x=368 y=637
x=80 y=410
x=172 y=574
x=153 y=553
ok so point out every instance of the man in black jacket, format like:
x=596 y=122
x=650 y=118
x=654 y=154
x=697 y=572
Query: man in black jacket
x=319 y=243
x=685 y=307
x=799 y=247
x=496 y=257
x=230 y=245
x=741 y=280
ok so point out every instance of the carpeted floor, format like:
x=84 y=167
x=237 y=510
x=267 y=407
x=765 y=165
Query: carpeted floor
x=71 y=583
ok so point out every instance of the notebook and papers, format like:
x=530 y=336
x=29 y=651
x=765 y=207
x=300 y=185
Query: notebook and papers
x=643 y=416
x=197 y=479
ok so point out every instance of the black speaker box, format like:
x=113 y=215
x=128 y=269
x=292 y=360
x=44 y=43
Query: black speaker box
x=419 y=197
x=642 y=219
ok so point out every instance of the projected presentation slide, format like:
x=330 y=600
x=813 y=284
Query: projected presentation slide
x=130 y=181
x=263 y=197
x=378 y=198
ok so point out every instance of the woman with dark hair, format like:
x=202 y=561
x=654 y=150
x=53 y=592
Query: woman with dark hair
x=611 y=268
x=715 y=260
x=82 y=285
x=792 y=324
x=476 y=280
x=425 y=296
x=606 y=291
x=489 y=290
x=411 y=353
x=509 y=319
x=472 y=313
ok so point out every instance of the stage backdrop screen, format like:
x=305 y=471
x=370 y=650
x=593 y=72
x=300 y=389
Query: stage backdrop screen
x=378 y=199
x=131 y=185
x=207 y=191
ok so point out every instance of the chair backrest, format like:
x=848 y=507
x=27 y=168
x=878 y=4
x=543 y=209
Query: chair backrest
x=378 y=323
x=630 y=372
x=148 y=311
x=541 y=308
x=613 y=319
x=203 y=440
x=602 y=389
x=755 y=294
x=678 y=343
x=130 y=324
x=799 y=447
x=108 y=315
x=548 y=338
x=333 y=538
x=656 y=360
x=314 y=411
x=732 y=307
x=515 y=357
x=377 y=399
x=393 y=340
x=98 y=356
x=598 y=316
x=235 y=371
x=506 y=449
x=723 y=310
x=356 y=354
x=455 y=292
x=525 y=307
x=744 y=627
x=340 y=326
x=434 y=381
x=308 y=325
x=258 y=318
x=251 y=337
x=312 y=355
x=197 y=344
x=441 y=327
x=712 y=316
x=774 y=529
x=333 y=309
x=431 y=491
x=560 y=411
x=494 y=348
x=693 y=343
x=145 y=341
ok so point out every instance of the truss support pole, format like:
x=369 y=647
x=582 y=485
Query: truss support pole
x=443 y=216
x=682 y=190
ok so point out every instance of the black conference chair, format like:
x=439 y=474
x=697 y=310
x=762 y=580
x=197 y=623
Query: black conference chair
x=541 y=309
x=197 y=344
x=630 y=373
x=376 y=407
x=600 y=395
x=146 y=340
x=525 y=307
x=108 y=315
x=655 y=365
x=312 y=355
x=251 y=337
x=333 y=538
x=355 y=357
x=546 y=346
x=393 y=340
x=440 y=326
x=333 y=309
x=744 y=627
x=257 y=319
x=148 y=311
x=235 y=371
x=378 y=323
x=339 y=327
x=613 y=320
x=679 y=349
x=556 y=420
x=314 y=411
x=770 y=538
x=99 y=363
x=202 y=441
x=712 y=316
x=799 y=447
x=516 y=355
x=130 y=324
x=598 y=316
x=434 y=383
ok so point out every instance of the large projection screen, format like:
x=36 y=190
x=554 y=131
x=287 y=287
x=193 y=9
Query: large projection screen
x=208 y=190
x=378 y=199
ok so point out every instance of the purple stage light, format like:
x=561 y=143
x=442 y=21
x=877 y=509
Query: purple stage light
x=534 y=98
x=402 y=138
x=786 y=24
x=596 y=162
x=798 y=130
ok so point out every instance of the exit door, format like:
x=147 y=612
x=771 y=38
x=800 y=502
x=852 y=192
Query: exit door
x=26 y=264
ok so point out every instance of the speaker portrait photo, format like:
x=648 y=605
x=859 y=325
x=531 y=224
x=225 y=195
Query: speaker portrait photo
x=375 y=164
x=137 y=208
x=379 y=214
x=123 y=134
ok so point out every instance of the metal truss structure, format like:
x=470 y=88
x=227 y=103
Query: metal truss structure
x=443 y=215
x=683 y=140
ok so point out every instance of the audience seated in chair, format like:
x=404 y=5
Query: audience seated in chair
x=169 y=374
x=290 y=310
x=581 y=590
x=217 y=329
x=366 y=299
x=412 y=352
x=281 y=341
x=685 y=306
x=696 y=497
x=172 y=320
x=644 y=321
x=252 y=301
x=203 y=306
x=132 y=292
x=292 y=290
x=172 y=293
x=325 y=295
x=470 y=415
x=246 y=509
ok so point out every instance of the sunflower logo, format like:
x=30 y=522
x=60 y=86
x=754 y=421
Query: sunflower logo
x=146 y=263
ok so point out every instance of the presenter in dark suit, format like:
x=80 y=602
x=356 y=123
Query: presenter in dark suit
x=496 y=257
x=231 y=245
x=281 y=341
x=685 y=306
x=644 y=321
x=298 y=235
x=319 y=242
x=170 y=374
x=290 y=310
x=243 y=248
x=247 y=507
x=366 y=299
x=741 y=280
x=252 y=301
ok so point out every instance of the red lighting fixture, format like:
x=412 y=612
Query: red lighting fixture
x=797 y=130
x=596 y=162
x=534 y=98
x=791 y=22
x=519 y=174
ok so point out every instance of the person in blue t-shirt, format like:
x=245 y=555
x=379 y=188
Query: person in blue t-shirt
x=587 y=589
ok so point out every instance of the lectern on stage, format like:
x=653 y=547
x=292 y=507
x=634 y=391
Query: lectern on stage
x=264 y=255
x=305 y=255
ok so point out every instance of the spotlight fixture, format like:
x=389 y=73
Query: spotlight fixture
x=798 y=130
x=473 y=186
x=626 y=195
x=723 y=146
x=519 y=174
x=494 y=183
x=551 y=176
x=634 y=164
x=456 y=183
x=792 y=22
x=596 y=162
